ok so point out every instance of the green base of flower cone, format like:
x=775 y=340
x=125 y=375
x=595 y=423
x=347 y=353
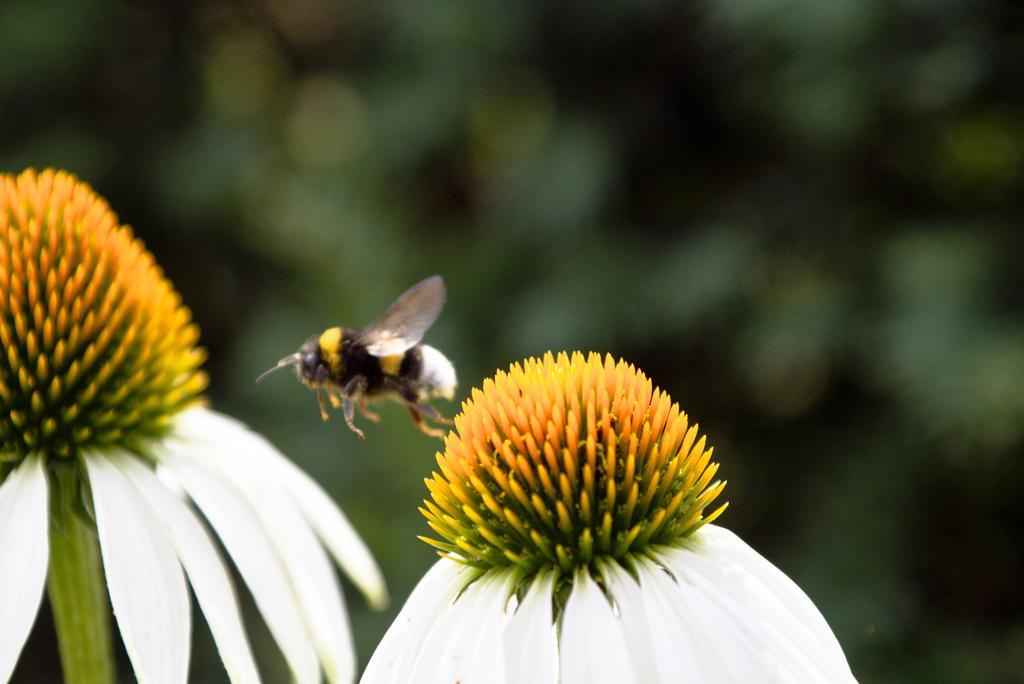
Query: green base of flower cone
x=78 y=592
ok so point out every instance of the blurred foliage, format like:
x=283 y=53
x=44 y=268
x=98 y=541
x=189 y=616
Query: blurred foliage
x=801 y=218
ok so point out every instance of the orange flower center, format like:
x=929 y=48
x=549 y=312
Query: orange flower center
x=97 y=347
x=566 y=458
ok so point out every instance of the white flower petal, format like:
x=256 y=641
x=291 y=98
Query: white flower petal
x=24 y=551
x=592 y=647
x=327 y=520
x=396 y=654
x=466 y=644
x=146 y=585
x=796 y=601
x=205 y=570
x=531 y=641
x=238 y=527
x=334 y=529
x=309 y=570
x=647 y=622
x=711 y=610
x=756 y=623
x=739 y=640
x=712 y=651
x=673 y=630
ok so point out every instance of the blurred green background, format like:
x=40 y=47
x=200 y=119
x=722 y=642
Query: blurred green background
x=801 y=218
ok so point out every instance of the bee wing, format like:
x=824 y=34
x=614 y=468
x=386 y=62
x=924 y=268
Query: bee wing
x=403 y=325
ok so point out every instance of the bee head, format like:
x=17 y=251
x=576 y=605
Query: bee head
x=309 y=360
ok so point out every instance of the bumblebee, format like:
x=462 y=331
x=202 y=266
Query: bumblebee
x=349 y=367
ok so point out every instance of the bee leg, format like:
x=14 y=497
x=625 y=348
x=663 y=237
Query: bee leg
x=321 y=378
x=432 y=413
x=367 y=413
x=349 y=414
x=355 y=387
x=324 y=413
x=347 y=397
x=422 y=425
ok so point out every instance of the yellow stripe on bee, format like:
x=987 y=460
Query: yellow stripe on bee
x=330 y=348
x=391 y=364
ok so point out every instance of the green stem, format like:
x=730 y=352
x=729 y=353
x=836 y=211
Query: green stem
x=77 y=590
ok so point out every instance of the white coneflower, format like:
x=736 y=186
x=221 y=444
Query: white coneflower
x=570 y=509
x=104 y=440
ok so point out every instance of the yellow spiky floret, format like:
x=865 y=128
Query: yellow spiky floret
x=566 y=458
x=97 y=347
